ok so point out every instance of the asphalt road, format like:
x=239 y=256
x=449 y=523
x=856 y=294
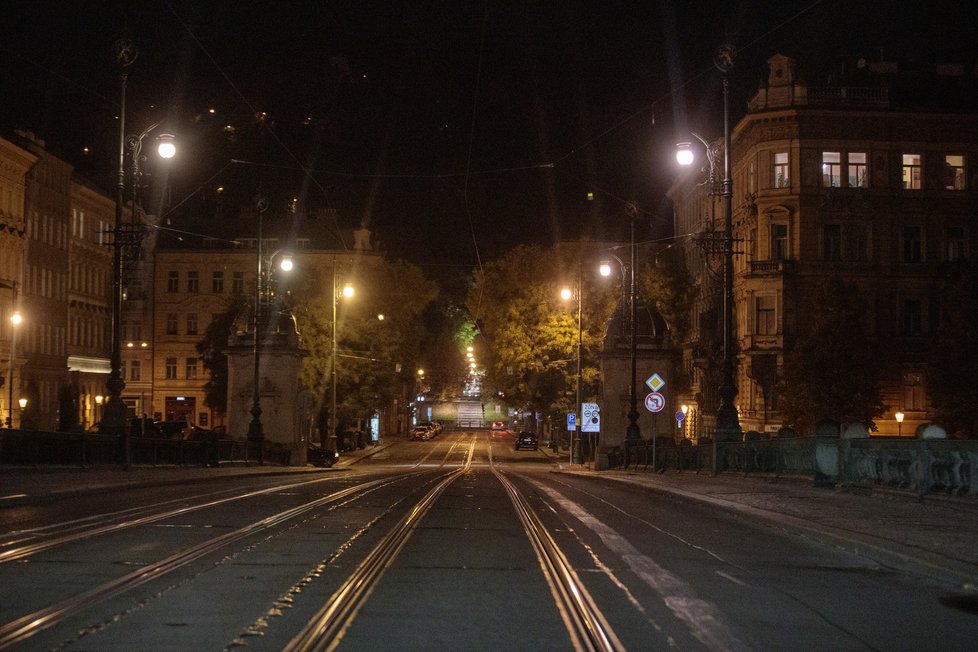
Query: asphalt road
x=460 y=542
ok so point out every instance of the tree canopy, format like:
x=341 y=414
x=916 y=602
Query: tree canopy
x=833 y=371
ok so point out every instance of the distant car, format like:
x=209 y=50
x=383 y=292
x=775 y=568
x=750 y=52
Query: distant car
x=318 y=457
x=421 y=432
x=527 y=440
x=432 y=426
x=498 y=425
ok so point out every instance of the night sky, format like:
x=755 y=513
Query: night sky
x=454 y=130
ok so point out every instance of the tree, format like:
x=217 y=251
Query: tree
x=952 y=383
x=833 y=371
x=668 y=286
x=531 y=335
x=213 y=354
x=374 y=357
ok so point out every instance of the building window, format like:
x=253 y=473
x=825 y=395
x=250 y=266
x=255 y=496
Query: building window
x=911 y=315
x=191 y=323
x=954 y=172
x=765 y=322
x=237 y=283
x=752 y=177
x=779 y=242
x=171 y=368
x=857 y=243
x=832 y=242
x=193 y=283
x=954 y=243
x=831 y=169
x=781 y=179
x=137 y=330
x=912 y=244
x=171 y=323
x=217 y=283
x=911 y=171
x=913 y=391
x=191 y=368
x=135 y=370
x=857 y=170
x=173 y=281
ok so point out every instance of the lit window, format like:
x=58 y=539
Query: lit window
x=954 y=172
x=781 y=179
x=857 y=170
x=831 y=169
x=911 y=171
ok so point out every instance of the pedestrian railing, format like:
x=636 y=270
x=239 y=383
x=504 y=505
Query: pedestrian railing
x=920 y=465
x=82 y=449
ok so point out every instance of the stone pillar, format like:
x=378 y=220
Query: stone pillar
x=280 y=362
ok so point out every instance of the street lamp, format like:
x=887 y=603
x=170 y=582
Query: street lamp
x=346 y=292
x=15 y=321
x=114 y=416
x=566 y=294
x=899 y=419
x=633 y=434
x=256 y=432
x=728 y=422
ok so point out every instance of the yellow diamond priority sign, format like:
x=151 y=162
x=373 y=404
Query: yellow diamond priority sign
x=655 y=382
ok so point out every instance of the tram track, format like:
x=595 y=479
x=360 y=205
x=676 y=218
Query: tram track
x=39 y=620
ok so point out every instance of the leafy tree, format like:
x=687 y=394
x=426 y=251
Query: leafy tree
x=531 y=335
x=375 y=357
x=834 y=370
x=213 y=353
x=668 y=286
x=953 y=381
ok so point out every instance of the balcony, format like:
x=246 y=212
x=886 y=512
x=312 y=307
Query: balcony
x=771 y=267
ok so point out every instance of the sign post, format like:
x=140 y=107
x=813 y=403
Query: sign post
x=590 y=423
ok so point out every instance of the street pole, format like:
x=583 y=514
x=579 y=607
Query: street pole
x=332 y=383
x=633 y=434
x=728 y=423
x=256 y=433
x=114 y=415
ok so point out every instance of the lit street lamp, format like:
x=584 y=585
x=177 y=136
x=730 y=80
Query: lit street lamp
x=114 y=415
x=899 y=419
x=633 y=434
x=566 y=294
x=728 y=423
x=333 y=422
x=256 y=432
x=15 y=321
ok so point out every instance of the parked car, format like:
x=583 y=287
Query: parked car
x=527 y=440
x=318 y=457
x=144 y=427
x=421 y=432
x=174 y=429
x=433 y=426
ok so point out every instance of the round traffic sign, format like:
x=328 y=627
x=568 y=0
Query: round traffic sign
x=654 y=402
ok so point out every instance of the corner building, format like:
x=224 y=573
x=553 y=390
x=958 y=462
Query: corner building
x=830 y=181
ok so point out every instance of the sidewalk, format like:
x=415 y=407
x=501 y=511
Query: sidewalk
x=936 y=537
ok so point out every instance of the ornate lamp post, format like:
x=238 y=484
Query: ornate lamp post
x=256 y=432
x=899 y=419
x=566 y=294
x=114 y=415
x=15 y=320
x=347 y=291
x=728 y=422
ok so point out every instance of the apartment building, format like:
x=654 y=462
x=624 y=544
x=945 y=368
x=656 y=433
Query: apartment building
x=829 y=180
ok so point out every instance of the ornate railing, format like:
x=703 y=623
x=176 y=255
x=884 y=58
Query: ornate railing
x=41 y=449
x=918 y=465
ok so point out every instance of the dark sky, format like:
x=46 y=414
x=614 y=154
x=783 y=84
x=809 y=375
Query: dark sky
x=453 y=129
